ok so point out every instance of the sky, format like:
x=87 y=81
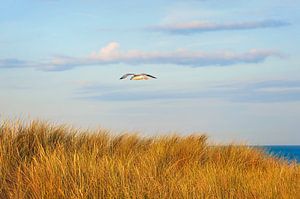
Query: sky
x=228 y=69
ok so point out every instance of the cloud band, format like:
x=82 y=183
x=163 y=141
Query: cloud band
x=199 y=26
x=111 y=54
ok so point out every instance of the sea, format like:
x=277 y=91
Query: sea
x=290 y=153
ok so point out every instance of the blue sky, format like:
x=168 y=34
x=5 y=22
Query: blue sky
x=229 y=69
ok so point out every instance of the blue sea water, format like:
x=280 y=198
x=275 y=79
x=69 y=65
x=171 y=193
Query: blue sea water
x=288 y=152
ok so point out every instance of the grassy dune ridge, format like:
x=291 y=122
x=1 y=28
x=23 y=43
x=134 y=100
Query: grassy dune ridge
x=40 y=160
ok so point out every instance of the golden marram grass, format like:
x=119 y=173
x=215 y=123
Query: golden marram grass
x=39 y=160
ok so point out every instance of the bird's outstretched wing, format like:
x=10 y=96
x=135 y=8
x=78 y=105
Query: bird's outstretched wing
x=149 y=75
x=126 y=75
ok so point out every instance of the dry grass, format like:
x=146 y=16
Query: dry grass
x=39 y=160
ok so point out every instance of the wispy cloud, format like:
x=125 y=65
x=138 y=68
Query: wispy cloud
x=264 y=91
x=200 y=26
x=111 y=54
x=14 y=63
x=250 y=92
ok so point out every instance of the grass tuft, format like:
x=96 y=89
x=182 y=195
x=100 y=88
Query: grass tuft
x=40 y=160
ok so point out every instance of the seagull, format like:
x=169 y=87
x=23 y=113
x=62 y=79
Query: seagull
x=142 y=76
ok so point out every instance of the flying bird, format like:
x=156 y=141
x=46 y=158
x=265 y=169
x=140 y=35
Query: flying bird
x=142 y=76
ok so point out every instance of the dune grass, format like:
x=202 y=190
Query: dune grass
x=40 y=160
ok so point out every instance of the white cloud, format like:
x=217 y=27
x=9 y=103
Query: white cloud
x=111 y=54
x=204 y=26
x=107 y=52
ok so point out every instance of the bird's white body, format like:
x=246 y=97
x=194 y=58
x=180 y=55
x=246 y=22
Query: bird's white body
x=138 y=76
